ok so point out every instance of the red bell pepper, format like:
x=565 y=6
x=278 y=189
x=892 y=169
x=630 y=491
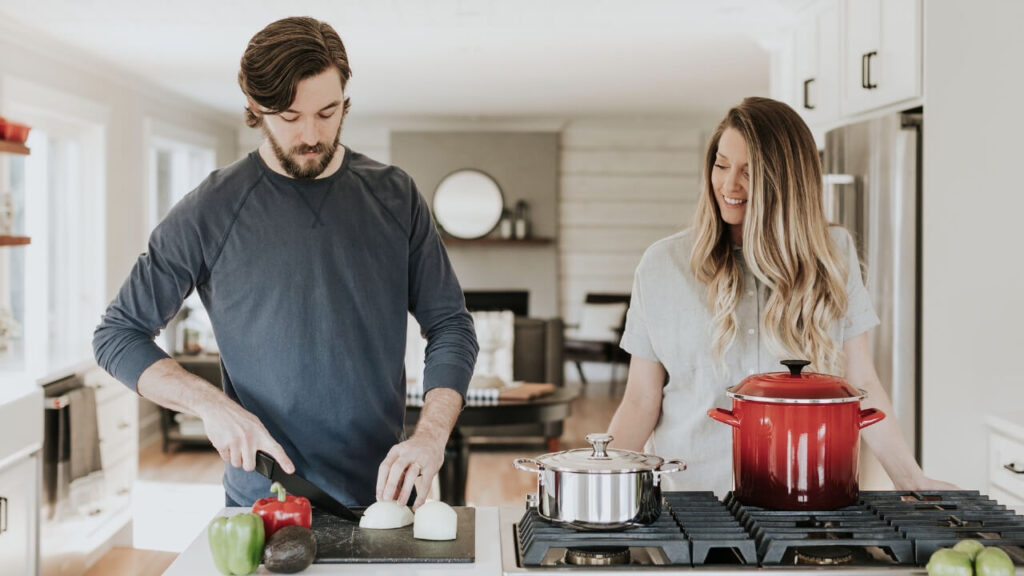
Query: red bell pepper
x=283 y=510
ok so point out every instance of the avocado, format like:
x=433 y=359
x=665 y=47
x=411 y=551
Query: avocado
x=291 y=549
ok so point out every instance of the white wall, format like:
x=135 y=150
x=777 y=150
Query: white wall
x=973 y=277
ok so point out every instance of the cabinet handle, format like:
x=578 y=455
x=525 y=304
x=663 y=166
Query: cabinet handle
x=1015 y=467
x=866 y=70
x=807 y=98
x=123 y=424
x=3 y=514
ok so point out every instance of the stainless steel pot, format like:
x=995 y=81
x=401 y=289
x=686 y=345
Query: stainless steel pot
x=598 y=488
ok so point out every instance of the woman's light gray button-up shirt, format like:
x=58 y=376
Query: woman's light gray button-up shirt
x=669 y=322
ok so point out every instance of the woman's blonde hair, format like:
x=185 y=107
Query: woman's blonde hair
x=786 y=242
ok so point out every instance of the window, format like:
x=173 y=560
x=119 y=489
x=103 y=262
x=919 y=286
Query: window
x=179 y=161
x=54 y=287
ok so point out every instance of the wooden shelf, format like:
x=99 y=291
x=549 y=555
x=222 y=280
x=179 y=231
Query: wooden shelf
x=537 y=241
x=13 y=147
x=14 y=240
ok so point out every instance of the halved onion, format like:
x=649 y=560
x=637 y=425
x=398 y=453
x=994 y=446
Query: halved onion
x=435 y=521
x=384 y=515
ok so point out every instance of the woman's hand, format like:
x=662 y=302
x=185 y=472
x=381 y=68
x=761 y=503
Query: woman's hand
x=924 y=483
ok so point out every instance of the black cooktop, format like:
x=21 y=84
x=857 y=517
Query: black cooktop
x=696 y=528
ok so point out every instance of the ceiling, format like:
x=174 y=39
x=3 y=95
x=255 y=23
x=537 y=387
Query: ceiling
x=448 y=58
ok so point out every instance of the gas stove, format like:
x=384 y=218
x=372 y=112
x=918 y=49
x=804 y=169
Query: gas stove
x=885 y=531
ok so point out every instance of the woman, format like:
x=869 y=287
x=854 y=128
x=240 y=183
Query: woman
x=760 y=277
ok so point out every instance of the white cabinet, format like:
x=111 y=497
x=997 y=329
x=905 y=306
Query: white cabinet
x=881 y=53
x=816 y=64
x=1006 y=458
x=19 y=515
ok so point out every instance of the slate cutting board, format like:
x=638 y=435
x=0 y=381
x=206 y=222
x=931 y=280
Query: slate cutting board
x=342 y=542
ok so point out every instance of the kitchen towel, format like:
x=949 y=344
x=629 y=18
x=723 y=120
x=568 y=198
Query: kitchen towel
x=84 y=432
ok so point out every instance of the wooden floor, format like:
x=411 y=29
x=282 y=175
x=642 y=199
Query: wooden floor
x=492 y=481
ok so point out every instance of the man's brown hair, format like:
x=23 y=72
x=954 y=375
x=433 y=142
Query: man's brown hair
x=282 y=55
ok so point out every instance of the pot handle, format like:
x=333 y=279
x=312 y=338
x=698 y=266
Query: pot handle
x=725 y=416
x=869 y=416
x=668 y=467
x=521 y=464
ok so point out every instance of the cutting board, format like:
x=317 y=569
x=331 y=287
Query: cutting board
x=342 y=542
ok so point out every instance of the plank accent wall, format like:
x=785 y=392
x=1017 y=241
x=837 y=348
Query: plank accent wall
x=623 y=187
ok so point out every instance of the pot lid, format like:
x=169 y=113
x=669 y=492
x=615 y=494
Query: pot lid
x=599 y=458
x=796 y=387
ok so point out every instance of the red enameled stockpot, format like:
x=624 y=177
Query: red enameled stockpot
x=796 y=439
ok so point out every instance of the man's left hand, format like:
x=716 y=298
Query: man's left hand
x=414 y=462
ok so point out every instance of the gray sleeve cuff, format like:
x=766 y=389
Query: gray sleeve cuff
x=134 y=361
x=453 y=376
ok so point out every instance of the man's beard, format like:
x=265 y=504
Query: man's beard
x=297 y=169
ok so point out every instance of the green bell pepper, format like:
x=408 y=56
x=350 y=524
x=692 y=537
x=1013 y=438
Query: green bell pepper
x=236 y=543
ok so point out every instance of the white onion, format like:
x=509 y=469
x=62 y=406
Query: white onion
x=386 y=514
x=435 y=521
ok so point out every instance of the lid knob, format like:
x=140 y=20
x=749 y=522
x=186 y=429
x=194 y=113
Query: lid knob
x=795 y=366
x=599 y=442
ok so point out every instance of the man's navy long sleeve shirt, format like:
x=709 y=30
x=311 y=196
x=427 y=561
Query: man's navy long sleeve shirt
x=307 y=284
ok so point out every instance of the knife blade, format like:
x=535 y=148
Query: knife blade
x=299 y=486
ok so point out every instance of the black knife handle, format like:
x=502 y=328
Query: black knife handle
x=265 y=464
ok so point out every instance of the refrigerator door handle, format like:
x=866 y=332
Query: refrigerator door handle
x=829 y=193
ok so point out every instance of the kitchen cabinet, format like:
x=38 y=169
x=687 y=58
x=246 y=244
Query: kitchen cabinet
x=19 y=517
x=1006 y=458
x=21 y=440
x=816 y=64
x=881 y=54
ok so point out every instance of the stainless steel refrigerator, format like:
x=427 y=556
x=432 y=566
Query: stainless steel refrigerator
x=872 y=186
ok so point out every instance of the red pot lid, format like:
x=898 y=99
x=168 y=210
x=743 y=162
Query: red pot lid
x=796 y=387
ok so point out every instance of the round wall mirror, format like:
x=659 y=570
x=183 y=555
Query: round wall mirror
x=468 y=204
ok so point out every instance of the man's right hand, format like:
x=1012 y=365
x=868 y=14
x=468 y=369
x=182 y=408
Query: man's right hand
x=237 y=434
x=234 y=431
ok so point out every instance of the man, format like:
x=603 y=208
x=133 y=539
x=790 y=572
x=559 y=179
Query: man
x=307 y=257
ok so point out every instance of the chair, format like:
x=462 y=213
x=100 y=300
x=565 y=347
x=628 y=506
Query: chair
x=536 y=357
x=596 y=337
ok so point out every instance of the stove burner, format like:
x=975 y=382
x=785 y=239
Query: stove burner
x=597 y=556
x=824 y=555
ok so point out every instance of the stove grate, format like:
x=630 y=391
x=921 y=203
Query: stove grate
x=537 y=536
x=710 y=527
x=938 y=519
x=779 y=534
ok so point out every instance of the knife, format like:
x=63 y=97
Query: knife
x=299 y=486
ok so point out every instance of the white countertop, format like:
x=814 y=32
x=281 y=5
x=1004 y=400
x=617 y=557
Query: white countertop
x=197 y=561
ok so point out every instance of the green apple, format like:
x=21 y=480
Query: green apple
x=948 y=562
x=970 y=547
x=993 y=561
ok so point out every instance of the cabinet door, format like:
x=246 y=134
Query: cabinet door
x=860 y=39
x=783 y=74
x=881 y=53
x=817 y=64
x=899 y=51
x=18 y=516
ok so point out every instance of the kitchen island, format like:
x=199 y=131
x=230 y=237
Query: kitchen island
x=496 y=555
